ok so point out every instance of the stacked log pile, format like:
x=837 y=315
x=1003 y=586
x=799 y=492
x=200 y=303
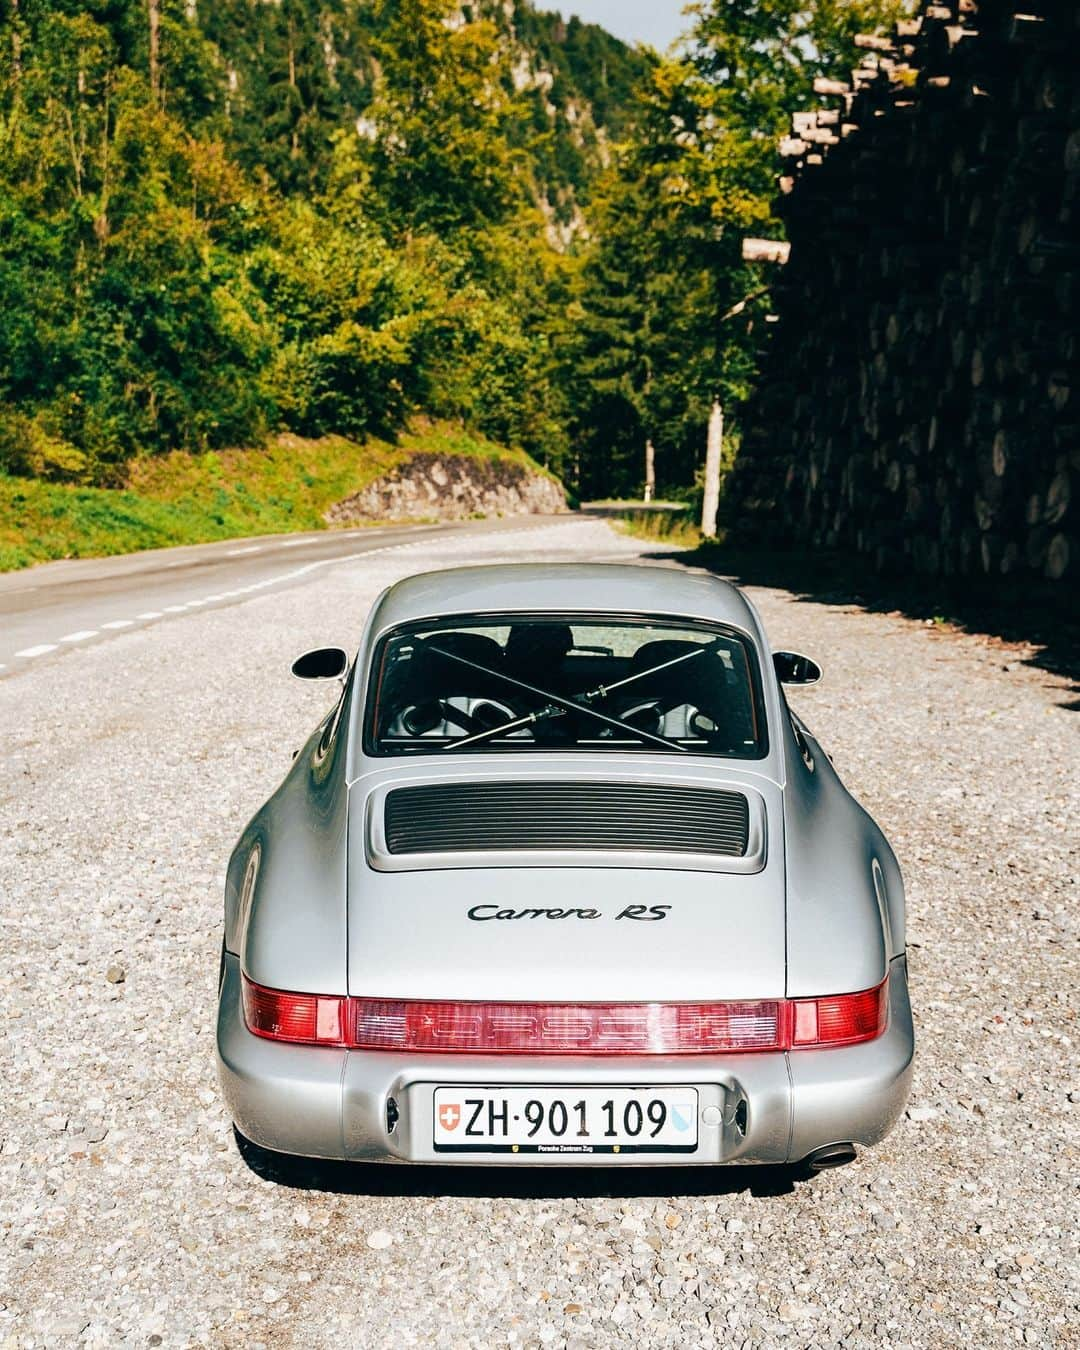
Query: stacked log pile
x=920 y=399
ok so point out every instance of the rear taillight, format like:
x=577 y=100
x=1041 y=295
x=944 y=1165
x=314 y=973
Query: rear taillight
x=841 y=1019
x=310 y=1019
x=442 y=1027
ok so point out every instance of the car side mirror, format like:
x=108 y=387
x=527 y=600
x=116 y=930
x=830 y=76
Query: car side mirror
x=791 y=668
x=324 y=663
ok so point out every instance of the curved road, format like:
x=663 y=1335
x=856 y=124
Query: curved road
x=47 y=609
x=128 y=1217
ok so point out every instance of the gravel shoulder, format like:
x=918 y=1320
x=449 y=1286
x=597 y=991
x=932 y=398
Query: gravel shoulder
x=128 y=1216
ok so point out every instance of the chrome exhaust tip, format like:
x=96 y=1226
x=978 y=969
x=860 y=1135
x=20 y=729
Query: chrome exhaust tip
x=830 y=1155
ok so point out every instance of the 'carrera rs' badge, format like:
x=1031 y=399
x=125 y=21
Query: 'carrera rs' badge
x=642 y=913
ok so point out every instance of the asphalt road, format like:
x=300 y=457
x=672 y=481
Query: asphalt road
x=128 y=1215
x=51 y=608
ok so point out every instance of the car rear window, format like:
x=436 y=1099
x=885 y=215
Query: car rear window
x=565 y=682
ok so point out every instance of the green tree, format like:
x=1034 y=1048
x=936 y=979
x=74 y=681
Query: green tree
x=437 y=128
x=655 y=343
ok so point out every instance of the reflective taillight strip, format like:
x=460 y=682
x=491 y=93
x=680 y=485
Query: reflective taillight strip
x=560 y=1029
x=444 y=1027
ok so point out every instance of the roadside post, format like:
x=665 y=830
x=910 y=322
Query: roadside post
x=714 y=447
x=753 y=250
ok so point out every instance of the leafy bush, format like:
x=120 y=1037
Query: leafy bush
x=28 y=448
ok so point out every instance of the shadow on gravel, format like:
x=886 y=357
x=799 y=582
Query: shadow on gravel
x=1002 y=609
x=514 y=1182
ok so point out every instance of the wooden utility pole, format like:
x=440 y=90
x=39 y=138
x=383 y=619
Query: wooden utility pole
x=650 y=471
x=16 y=45
x=711 y=503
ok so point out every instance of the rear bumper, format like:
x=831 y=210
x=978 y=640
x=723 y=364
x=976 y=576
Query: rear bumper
x=769 y=1108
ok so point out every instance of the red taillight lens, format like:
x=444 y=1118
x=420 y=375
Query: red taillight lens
x=312 y=1019
x=843 y=1019
x=413 y=1025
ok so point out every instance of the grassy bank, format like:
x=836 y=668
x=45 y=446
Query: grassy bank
x=193 y=499
x=668 y=527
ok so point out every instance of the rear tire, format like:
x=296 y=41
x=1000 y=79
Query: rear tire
x=294 y=1170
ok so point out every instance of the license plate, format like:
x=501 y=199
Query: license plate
x=565 y=1120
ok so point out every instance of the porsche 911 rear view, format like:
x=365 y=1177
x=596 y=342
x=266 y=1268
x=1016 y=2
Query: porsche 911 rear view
x=561 y=878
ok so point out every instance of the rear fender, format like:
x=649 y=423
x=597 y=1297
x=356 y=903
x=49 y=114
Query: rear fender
x=845 y=895
x=285 y=890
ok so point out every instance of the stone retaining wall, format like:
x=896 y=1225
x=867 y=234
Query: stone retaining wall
x=919 y=401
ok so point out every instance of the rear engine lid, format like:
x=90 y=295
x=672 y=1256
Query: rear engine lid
x=566 y=888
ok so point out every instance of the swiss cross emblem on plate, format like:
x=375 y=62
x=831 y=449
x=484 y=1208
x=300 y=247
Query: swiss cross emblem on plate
x=450 y=1115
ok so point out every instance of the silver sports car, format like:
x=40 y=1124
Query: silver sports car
x=561 y=878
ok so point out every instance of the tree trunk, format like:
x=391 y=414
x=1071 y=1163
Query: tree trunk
x=153 y=10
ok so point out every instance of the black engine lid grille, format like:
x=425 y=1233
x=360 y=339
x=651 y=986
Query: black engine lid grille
x=641 y=817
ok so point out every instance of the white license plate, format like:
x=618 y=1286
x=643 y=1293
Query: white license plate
x=565 y=1120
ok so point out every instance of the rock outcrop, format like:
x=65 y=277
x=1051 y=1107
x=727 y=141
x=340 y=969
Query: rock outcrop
x=433 y=486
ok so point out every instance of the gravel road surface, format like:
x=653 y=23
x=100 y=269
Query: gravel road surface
x=128 y=1216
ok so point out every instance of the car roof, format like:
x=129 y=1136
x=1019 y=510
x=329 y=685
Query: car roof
x=566 y=588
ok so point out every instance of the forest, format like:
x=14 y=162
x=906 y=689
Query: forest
x=221 y=222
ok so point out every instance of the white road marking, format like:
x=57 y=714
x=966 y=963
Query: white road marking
x=84 y=634
x=294 y=543
x=236 y=552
